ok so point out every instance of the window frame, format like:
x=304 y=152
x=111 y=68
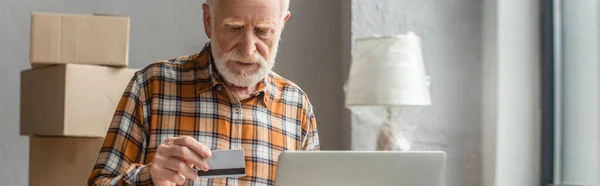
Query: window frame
x=550 y=93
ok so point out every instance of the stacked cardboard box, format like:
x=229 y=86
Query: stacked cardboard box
x=70 y=95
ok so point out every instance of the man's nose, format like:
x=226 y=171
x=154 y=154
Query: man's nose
x=248 y=45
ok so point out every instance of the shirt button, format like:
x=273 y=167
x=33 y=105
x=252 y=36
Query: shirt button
x=219 y=87
x=237 y=110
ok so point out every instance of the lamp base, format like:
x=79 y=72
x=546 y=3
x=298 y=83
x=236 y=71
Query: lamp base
x=386 y=138
x=390 y=139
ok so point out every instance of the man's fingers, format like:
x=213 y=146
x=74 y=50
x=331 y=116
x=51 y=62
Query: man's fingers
x=185 y=153
x=193 y=144
x=181 y=167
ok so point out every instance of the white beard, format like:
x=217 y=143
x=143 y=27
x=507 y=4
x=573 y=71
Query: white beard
x=244 y=78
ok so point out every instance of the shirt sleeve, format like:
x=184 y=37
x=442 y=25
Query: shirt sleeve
x=123 y=151
x=310 y=135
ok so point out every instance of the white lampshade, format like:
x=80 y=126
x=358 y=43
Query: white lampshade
x=388 y=71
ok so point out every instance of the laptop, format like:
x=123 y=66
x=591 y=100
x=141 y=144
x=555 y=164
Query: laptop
x=354 y=168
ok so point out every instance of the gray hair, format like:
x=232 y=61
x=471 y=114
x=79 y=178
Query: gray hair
x=285 y=7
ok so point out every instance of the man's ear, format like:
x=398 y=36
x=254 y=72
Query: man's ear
x=207 y=20
x=285 y=19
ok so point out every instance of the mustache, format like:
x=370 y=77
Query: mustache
x=236 y=55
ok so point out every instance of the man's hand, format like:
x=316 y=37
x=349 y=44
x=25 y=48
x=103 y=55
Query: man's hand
x=175 y=159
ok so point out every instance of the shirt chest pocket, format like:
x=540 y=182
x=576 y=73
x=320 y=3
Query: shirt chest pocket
x=201 y=120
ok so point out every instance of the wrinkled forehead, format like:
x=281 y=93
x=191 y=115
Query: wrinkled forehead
x=239 y=9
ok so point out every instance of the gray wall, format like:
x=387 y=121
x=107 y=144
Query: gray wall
x=310 y=55
x=451 y=37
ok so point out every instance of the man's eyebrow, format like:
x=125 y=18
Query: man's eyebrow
x=233 y=23
x=265 y=24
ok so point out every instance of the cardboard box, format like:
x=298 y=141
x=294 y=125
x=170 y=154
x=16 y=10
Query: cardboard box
x=80 y=39
x=60 y=161
x=71 y=100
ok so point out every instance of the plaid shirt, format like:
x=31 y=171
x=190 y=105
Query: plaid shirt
x=186 y=97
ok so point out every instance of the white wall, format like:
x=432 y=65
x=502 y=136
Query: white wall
x=451 y=37
x=310 y=56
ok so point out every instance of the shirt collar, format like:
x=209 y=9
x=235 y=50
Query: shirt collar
x=207 y=77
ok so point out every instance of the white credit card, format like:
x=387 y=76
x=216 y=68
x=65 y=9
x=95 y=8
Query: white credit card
x=225 y=163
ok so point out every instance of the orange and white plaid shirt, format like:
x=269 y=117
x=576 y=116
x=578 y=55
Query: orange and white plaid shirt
x=186 y=97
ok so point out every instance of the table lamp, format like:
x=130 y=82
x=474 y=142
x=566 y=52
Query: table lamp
x=388 y=72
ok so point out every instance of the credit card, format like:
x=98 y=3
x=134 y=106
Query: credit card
x=225 y=163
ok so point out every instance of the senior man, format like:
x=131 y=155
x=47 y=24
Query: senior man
x=174 y=112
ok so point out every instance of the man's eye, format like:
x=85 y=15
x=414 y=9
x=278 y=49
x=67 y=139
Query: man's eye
x=234 y=29
x=263 y=31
